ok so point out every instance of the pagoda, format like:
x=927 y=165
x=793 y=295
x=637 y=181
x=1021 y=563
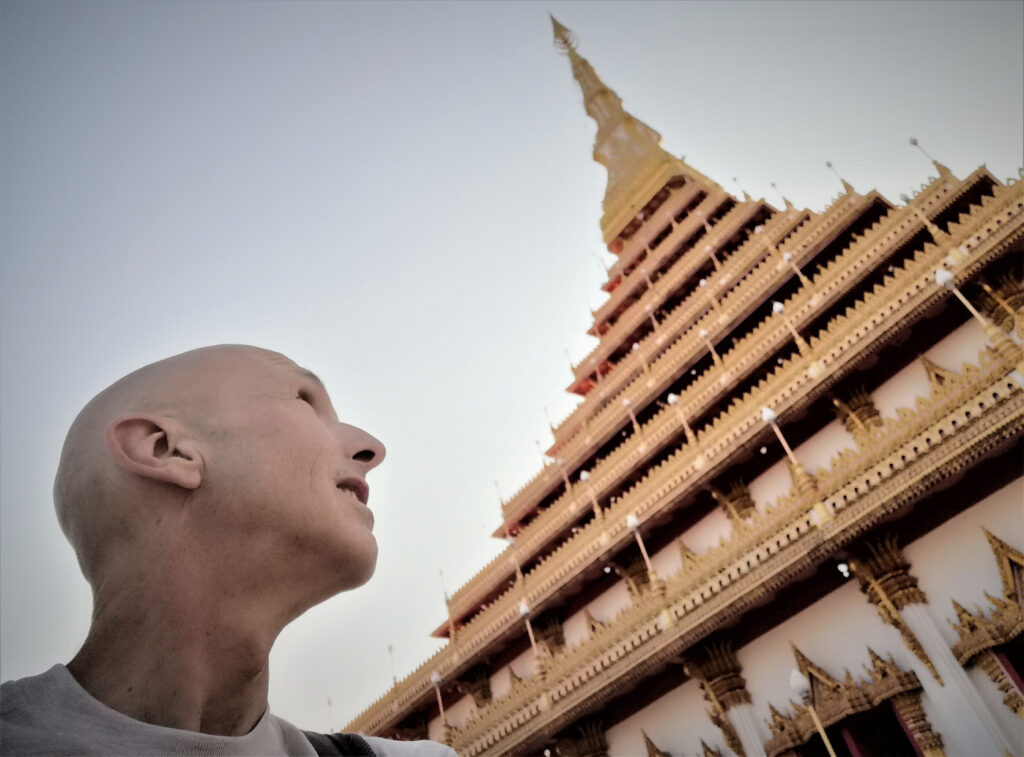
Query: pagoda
x=785 y=517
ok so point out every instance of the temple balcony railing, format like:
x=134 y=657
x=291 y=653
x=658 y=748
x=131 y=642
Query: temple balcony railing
x=676 y=201
x=851 y=266
x=907 y=293
x=655 y=294
x=803 y=244
x=905 y=457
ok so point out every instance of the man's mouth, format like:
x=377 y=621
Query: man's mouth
x=355 y=486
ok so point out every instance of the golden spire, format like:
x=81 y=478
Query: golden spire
x=628 y=148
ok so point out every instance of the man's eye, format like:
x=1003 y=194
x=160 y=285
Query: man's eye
x=305 y=397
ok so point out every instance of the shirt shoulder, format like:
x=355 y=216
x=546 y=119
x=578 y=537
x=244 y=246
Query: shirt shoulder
x=389 y=748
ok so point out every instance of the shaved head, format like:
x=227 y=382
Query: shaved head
x=88 y=492
x=223 y=469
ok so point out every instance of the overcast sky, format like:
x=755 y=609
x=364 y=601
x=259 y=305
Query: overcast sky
x=401 y=197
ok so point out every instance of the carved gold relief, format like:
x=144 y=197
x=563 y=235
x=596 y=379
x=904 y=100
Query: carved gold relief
x=908 y=706
x=1004 y=304
x=737 y=502
x=834 y=700
x=591 y=742
x=859 y=415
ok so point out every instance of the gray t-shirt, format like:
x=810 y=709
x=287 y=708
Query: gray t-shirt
x=51 y=714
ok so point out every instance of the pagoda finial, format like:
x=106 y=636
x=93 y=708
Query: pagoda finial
x=565 y=40
x=638 y=168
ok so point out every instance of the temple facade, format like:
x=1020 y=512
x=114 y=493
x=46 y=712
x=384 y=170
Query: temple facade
x=787 y=516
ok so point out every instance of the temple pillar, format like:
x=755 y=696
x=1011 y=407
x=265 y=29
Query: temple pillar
x=959 y=688
x=725 y=688
x=889 y=585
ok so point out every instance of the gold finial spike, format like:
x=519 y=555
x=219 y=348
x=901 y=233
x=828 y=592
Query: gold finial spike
x=785 y=200
x=565 y=40
x=943 y=171
x=915 y=143
x=846 y=185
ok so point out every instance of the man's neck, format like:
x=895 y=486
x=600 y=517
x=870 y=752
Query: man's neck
x=175 y=664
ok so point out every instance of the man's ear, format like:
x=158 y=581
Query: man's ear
x=157 y=448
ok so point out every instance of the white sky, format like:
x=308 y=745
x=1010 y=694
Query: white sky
x=401 y=197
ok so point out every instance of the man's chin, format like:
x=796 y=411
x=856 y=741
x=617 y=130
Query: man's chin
x=356 y=565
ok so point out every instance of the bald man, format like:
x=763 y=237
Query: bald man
x=211 y=499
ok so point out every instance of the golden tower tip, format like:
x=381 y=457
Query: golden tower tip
x=565 y=40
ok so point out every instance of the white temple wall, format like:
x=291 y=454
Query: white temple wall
x=706 y=532
x=773 y=483
x=958 y=347
x=675 y=722
x=501 y=682
x=575 y=629
x=818 y=451
x=458 y=712
x=501 y=679
x=604 y=608
x=954 y=561
x=668 y=560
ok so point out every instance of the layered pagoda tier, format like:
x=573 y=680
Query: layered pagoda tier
x=730 y=326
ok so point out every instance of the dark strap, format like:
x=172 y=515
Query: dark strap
x=343 y=744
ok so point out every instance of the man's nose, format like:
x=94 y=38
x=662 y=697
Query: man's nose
x=361 y=446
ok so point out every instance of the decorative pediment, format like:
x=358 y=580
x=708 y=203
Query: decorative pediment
x=834 y=700
x=979 y=633
x=1010 y=562
x=823 y=686
x=937 y=376
x=691 y=560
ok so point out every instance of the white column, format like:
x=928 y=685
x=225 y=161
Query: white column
x=958 y=688
x=742 y=717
